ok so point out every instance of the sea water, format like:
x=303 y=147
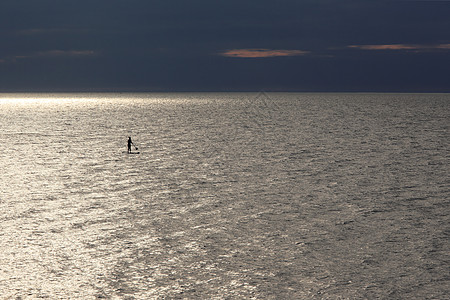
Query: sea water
x=233 y=195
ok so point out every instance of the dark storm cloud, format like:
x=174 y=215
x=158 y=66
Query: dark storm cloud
x=208 y=45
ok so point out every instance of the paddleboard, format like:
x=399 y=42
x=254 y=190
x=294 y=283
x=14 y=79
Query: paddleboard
x=131 y=152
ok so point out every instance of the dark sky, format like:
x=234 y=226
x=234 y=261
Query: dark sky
x=218 y=45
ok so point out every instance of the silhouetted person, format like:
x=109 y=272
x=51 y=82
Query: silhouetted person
x=129 y=144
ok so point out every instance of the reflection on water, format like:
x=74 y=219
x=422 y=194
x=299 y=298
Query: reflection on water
x=233 y=196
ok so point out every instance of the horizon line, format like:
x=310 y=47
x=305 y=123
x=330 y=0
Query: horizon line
x=218 y=91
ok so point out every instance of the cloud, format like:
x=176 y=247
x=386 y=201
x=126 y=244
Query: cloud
x=58 y=53
x=51 y=54
x=65 y=53
x=261 y=53
x=418 y=48
x=35 y=31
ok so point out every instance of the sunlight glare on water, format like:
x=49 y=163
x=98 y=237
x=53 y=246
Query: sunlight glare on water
x=240 y=195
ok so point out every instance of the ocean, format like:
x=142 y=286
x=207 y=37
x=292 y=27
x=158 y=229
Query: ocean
x=232 y=196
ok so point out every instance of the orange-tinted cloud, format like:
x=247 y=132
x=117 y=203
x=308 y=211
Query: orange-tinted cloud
x=402 y=47
x=261 y=53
